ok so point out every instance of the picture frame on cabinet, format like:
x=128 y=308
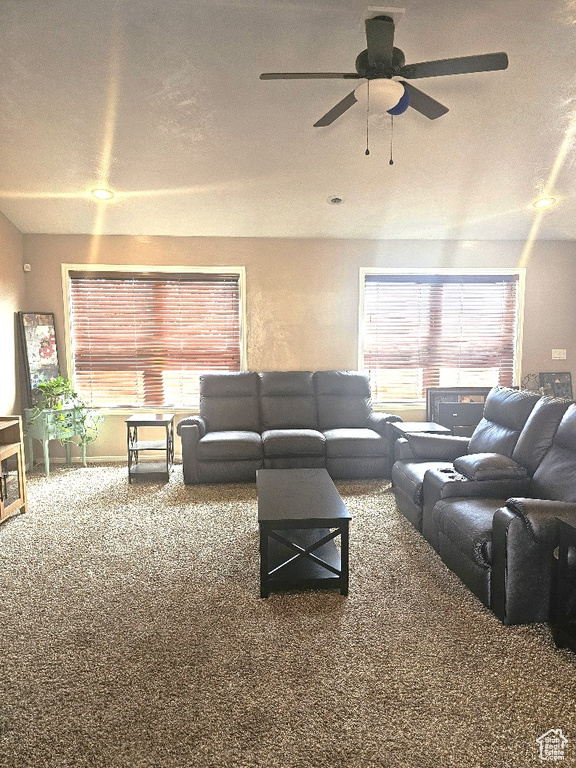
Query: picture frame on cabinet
x=556 y=384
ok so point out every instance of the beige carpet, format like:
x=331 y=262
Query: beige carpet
x=132 y=634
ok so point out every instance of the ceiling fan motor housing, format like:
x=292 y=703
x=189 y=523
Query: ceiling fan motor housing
x=372 y=71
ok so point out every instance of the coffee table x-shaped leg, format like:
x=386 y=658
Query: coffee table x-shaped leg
x=304 y=568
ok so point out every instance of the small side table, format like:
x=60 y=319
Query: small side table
x=403 y=428
x=149 y=468
x=564 y=593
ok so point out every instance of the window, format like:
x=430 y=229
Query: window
x=141 y=339
x=454 y=328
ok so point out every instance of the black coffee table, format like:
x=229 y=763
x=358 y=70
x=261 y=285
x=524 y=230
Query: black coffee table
x=300 y=514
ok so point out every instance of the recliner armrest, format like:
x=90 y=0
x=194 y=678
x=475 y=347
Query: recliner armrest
x=524 y=536
x=490 y=466
x=436 y=447
x=194 y=421
x=378 y=421
x=193 y=428
x=539 y=516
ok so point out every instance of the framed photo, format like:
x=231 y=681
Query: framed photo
x=556 y=385
x=39 y=349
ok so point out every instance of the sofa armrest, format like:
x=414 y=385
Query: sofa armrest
x=490 y=466
x=197 y=421
x=190 y=431
x=378 y=421
x=402 y=450
x=428 y=447
x=524 y=536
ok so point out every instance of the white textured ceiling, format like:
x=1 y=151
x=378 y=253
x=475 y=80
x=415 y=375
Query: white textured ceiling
x=160 y=100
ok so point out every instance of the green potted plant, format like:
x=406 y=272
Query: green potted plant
x=59 y=396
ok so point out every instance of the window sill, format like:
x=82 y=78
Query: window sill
x=125 y=412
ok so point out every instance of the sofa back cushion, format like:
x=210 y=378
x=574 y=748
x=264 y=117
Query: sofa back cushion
x=229 y=401
x=538 y=433
x=555 y=478
x=343 y=399
x=505 y=413
x=287 y=400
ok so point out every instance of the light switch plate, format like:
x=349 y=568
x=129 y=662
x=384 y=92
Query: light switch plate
x=558 y=354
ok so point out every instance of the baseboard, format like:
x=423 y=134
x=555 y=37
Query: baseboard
x=96 y=460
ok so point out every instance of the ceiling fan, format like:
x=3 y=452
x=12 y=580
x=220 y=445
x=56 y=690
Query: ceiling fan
x=382 y=61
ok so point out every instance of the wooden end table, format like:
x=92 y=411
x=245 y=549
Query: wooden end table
x=150 y=469
x=300 y=514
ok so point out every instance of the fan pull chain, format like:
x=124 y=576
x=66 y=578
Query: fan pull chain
x=367 y=116
x=391 y=161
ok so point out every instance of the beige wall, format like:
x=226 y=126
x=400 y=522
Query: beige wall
x=12 y=299
x=302 y=295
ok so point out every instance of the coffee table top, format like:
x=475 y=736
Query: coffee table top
x=298 y=494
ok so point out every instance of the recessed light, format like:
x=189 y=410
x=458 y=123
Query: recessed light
x=102 y=194
x=544 y=202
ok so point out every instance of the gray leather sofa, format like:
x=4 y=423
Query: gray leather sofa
x=491 y=515
x=282 y=420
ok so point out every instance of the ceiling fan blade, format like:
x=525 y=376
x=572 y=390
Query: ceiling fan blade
x=336 y=111
x=380 y=40
x=486 y=62
x=423 y=103
x=308 y=75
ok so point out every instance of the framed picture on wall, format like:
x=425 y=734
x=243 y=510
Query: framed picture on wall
x=39 y=350
x=556 y=384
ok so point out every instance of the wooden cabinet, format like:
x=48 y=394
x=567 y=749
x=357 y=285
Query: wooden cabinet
x=12 y=476
x=55 y=425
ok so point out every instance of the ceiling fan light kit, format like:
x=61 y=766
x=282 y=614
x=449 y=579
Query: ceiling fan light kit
x=381 y=62
x=385 y=95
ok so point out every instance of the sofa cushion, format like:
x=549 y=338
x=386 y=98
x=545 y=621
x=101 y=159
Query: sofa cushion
x=538 y=433
x=343 y=443
x=292 y=442
x=230 y=446
x=343 y=399
x=287 y=400
x=408 y=476
x=505 y=412
x=229 y=401
x=467 y=524
x=555 y=478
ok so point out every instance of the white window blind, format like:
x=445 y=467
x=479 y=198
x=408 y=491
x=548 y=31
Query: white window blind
x=423 y=330
x=142 y=340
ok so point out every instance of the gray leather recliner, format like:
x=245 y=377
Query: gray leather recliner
x=505 y=413
x=503 y=548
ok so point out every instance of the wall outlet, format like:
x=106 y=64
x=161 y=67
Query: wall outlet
x=558 y=354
